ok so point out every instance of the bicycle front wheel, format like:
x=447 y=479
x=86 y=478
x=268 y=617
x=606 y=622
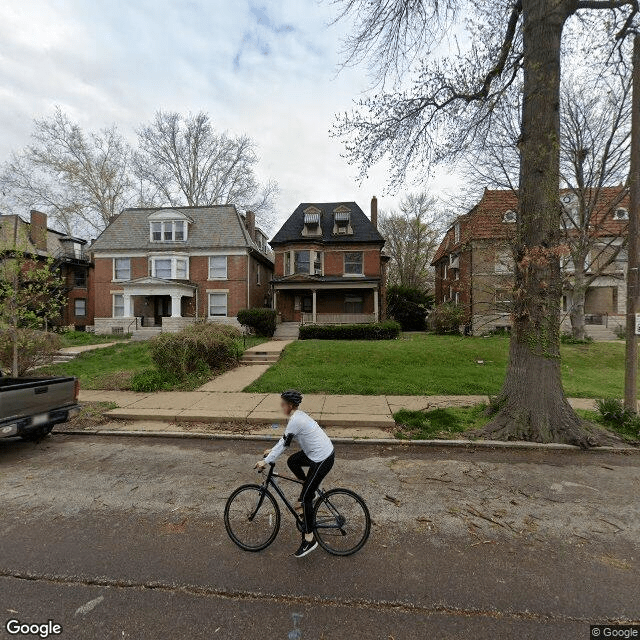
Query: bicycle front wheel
x=342 y=522
x=252 y=517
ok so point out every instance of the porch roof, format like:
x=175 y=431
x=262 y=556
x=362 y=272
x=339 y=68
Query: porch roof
x=325 y=282
x=149 y=286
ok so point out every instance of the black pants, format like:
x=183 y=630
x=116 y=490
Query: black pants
x=312 y=479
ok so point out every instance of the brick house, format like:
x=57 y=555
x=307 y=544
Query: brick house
x=329 y=266
x=67 y=254
x=474 y=262
x=160 y=269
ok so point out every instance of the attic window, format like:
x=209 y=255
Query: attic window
x=312 y=219
x=341 y=221
x=620 y=214
x=311 y=222
x=342 y=217
x=509 y=216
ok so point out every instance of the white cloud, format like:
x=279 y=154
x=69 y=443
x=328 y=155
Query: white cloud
x=265 y=69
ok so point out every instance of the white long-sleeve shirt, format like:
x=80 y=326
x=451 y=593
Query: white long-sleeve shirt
x=315 y=443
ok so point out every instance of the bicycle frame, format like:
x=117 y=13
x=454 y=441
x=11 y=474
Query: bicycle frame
x=270 y=482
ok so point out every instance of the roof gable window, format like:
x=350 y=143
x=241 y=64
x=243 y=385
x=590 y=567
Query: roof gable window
x=342 y=221
x=168 y=225
x=509 y=216
x=312 y=222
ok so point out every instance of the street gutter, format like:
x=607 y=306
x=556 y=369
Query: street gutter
x=460 y=444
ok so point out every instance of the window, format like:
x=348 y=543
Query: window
x=353 y=304
x=258 y=275
x=118 y=305
x=217 y=267
x=456 y=233
x=122 y=269
x=218 y=303
x=80 y=279
x=169 y=231
x=620 y=214
x=80 y=306
x=302 y=261
x=162 y=268
x=509 y=216
x=170 y=268
x=504 y=262
x=317 y=263
x=181 y=269
x=353 y=263
x=287 y=263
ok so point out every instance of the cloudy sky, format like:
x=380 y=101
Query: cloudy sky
x=269 y=69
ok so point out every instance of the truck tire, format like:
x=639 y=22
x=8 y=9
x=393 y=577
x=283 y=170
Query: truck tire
x=38 y=434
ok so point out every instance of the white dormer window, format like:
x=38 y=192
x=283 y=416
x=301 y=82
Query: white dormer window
x=342 y=221
x=167 y=225
x=509 y=216
x=312 y=222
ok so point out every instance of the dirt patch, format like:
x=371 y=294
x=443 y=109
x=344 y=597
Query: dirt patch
x=91 y=416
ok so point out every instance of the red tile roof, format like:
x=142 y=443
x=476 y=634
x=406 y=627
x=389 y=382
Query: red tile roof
x=486 y=219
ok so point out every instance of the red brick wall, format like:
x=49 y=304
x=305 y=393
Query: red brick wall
x=334 y=258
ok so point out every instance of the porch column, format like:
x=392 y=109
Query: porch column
x=376 y=310
x=275 y=300
x=175 y=306
x=314 y=313
x=128 y=308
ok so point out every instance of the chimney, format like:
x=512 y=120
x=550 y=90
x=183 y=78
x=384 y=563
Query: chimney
x=38 y=230
x=250 y=222
x=374 y=212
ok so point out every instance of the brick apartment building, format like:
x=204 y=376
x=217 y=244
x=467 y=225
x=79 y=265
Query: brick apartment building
x=329 y=266
x=67 y=253
x=159 y=269
x=474 y=262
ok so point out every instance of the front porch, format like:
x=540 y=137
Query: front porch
x=348 y=303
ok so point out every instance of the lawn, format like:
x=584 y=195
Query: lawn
x=113 y=367
x=422 y=364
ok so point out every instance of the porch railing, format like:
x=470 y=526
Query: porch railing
x=338 y=318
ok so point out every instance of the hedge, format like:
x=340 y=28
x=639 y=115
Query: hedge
x=388 y=330
x=262 y=321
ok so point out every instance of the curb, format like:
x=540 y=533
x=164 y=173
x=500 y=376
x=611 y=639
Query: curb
x=453 y=444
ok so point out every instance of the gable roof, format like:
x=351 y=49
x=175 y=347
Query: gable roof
x=486 y=219
x=215 y=226
x=363 y=229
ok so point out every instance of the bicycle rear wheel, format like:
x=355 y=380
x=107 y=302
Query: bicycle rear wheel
x=252 y=517
x=342 y=522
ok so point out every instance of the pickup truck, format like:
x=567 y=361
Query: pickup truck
x=30 y=407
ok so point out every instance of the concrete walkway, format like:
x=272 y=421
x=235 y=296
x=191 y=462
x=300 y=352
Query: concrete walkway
x=89 y=347
x=240 y=377
x=264 y=408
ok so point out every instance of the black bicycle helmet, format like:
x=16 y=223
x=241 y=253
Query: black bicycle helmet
x=292 y=396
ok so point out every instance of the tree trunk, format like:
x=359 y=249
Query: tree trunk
x=532 y=405
x=576 y=314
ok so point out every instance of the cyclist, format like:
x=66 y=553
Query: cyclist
x=317 y=453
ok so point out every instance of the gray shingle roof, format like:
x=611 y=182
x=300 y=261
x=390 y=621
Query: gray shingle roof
x=215 y=226
x=363 y=230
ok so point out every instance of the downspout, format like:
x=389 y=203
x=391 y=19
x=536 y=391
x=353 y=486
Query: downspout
x=197 y=302
x=248 y=278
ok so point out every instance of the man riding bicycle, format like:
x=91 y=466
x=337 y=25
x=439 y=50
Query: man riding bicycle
x=316 y=453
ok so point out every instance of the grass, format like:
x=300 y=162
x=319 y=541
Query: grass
x=423 y=364
x=113 y=368
x=439 y=423
x=82 y=338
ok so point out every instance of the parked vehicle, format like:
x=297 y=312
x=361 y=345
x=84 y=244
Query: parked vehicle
x=30 y=407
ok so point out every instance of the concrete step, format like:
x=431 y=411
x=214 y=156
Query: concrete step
x=145 y=333
x=600 y=333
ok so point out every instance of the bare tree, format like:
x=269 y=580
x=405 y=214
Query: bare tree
x=594 y=156
x=80 y=179
x=184 y=161
x=449 y=103
x=412 y=235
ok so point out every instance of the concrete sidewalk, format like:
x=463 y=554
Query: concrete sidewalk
x=264 y=408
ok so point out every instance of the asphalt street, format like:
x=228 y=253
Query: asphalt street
x=123 y=538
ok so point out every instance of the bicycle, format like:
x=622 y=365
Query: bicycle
x=252 y=516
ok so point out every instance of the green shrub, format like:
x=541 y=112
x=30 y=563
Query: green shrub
x=150 y=380
x=262 y=321
x=35 y=348
x=614 y=415
x=409 y=307
x=567 y=338
x=446 y=318
x=202 y=327
x=620 y=331
x=194 y=350
x=388 y=330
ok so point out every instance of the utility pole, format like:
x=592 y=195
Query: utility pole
x=633 y=279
